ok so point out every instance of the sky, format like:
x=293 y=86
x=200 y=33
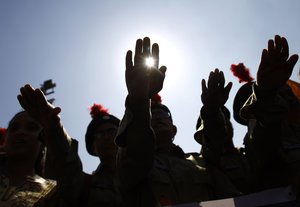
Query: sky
x=81 y=46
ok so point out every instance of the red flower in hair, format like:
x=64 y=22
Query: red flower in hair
x=156 y=98
x=98 y=110
x=241 y=72
x=2 y=136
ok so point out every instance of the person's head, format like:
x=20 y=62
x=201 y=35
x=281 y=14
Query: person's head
x=22 y=140
x=161 y=122
x=240 y=99
x=243 y=74
x=101 y=131
x=229 y=128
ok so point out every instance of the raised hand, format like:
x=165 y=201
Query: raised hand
x=215 y=94
x=143 y=81
x=35 y=103
x=275 y=66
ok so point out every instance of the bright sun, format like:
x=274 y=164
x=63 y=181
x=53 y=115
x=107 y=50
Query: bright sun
x=149 y=62
x=170 y=55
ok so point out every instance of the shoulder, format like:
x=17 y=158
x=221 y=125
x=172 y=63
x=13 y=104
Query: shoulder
x=44 y=187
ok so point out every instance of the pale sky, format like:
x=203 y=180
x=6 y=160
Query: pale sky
x=81 y=46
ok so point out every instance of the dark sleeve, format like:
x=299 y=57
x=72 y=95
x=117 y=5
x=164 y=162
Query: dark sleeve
x=136 y=143
x=266 y=112
x=211 y=134
x=68 y=173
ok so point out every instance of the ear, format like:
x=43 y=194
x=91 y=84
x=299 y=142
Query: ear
x=94 y=148
x=174 y=131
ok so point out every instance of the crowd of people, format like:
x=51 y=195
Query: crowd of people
x=139 y=164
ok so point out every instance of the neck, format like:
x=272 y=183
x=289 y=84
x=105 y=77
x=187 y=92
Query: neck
x=164 y=148
x=229 y=147
x=109 y=162
x=18 y=170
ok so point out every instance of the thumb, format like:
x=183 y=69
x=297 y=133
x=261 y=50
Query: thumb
x=163 y=69
x=54 y=115
x=292 y=61
x=228 y=88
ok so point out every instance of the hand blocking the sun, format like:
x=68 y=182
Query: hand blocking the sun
x=142 y=80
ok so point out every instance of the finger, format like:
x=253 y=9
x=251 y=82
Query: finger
x=228 y=88
x=138 y=46
x=264 y=59
x=203 y=84
x=155 y=54
x=27 y=93
x=146 y=47
x=22 y=102
x=217 y=78
x=271 y=47
x=56 y=111
x=41 y=99
x=54 y=115
x=129 y=64
x=210 y=80
x=292 y=62
x=214 y=80
x=163 y=69
x=138 y=52
x=221 y=79
x=285 y=49
x=278 y=44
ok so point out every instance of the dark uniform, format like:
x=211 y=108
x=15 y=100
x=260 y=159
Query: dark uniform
x=81 y=189
x=151 y=178
x=274 y=136
x=35 y=191
x=77 y=187
x=215 y=134
x=100 y=189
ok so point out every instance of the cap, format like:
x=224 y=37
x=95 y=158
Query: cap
x=156 y=103
x=197 y=136
x=99 y=116
x=243 y=74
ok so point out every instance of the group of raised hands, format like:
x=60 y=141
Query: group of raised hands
x=144 y=81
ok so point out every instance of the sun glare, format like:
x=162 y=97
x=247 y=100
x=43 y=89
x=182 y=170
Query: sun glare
x=170 y=55
x=149 y=62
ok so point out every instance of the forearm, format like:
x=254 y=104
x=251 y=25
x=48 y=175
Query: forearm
x=214 y=126
x=57 y=140
x=135 y=157
x=267 y=107
x=213 y=134
x=140 y=136
x=68 y=173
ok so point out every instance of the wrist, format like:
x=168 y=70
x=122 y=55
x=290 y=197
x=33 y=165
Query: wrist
x=209 y=111
x=262 y=91
x=140 y=108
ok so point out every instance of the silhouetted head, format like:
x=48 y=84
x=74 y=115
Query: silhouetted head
x=229 y=133
x=23 y=140
x=161 y=122
x=101 y=131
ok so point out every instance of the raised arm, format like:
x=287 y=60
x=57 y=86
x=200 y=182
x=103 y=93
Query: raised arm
x=135 y=137
x=35 y=103
x=62 y=161
x=212 y=130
